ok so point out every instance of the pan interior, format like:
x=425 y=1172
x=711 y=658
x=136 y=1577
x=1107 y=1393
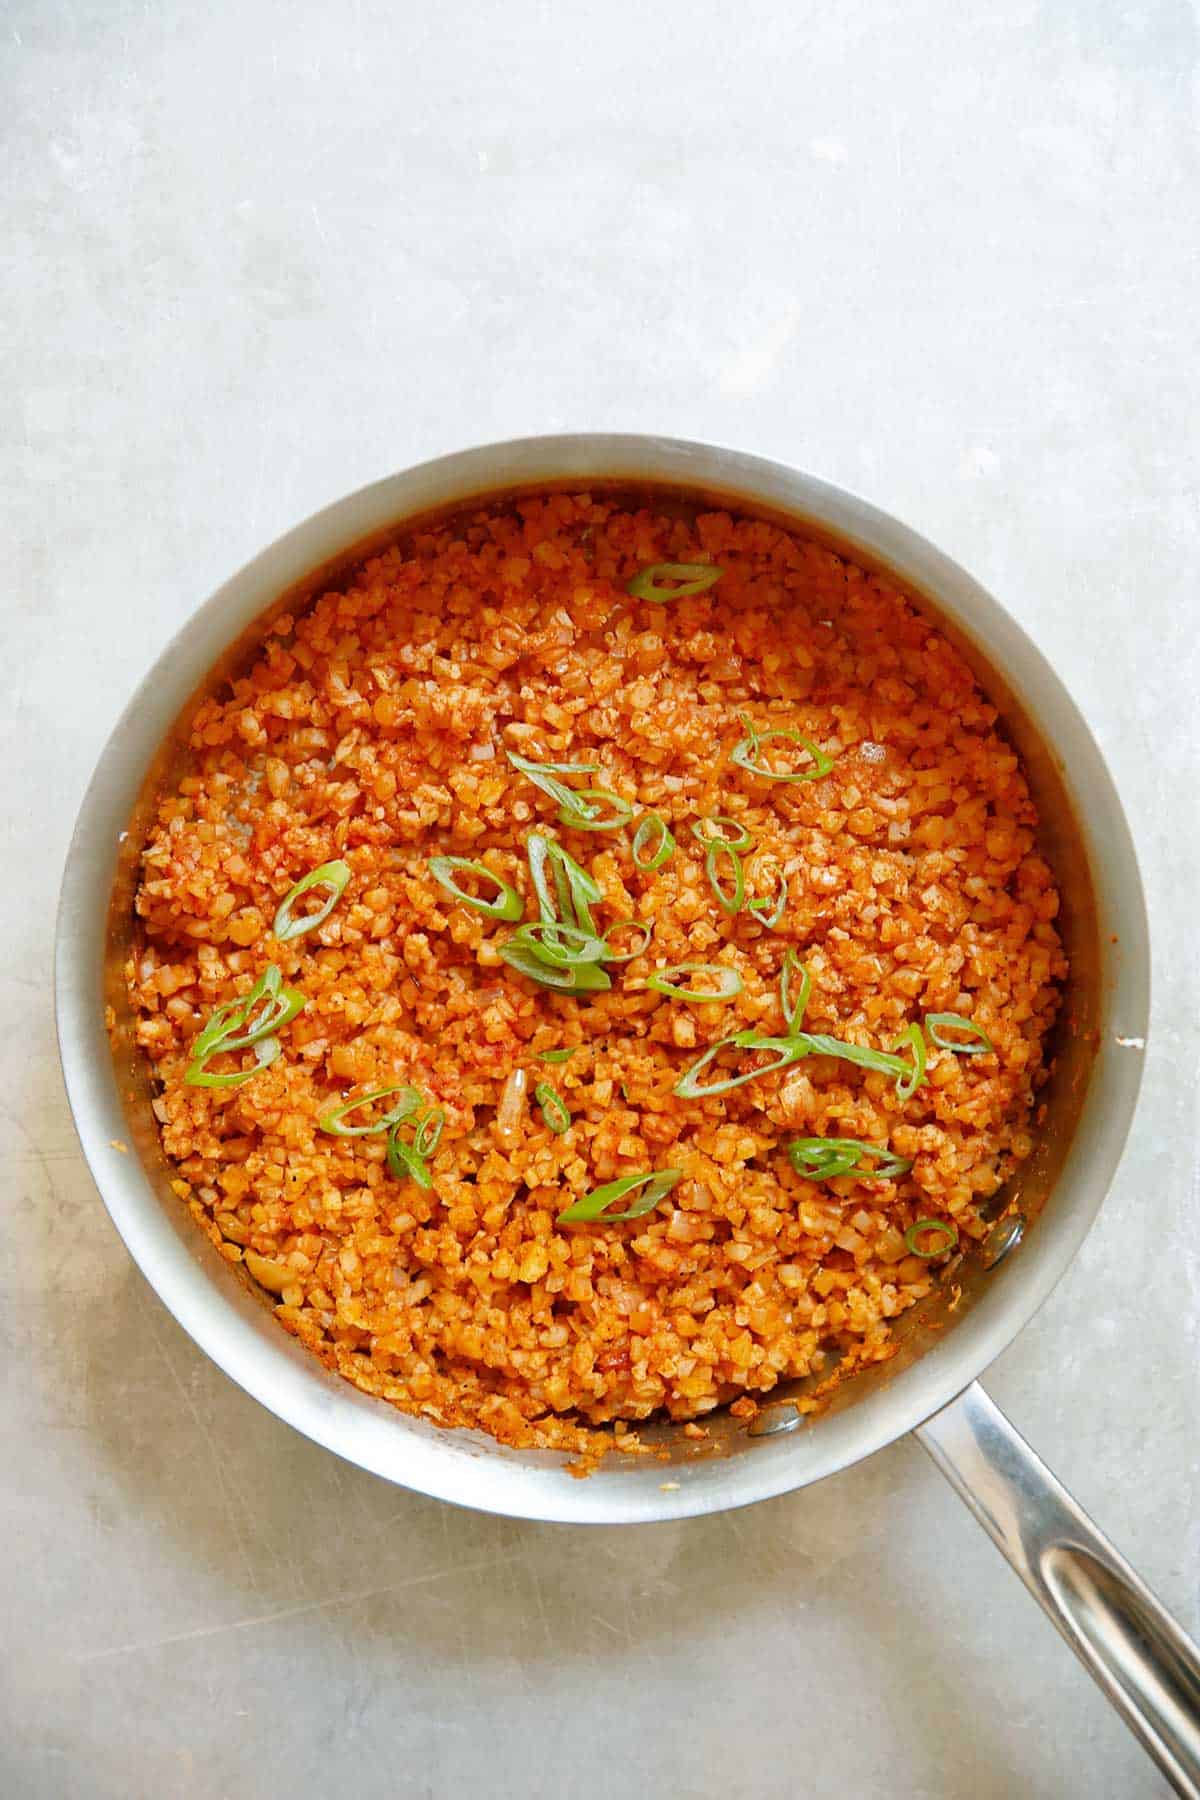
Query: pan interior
x=1020 y=1208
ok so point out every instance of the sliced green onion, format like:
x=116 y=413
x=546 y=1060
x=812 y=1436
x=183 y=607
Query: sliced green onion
x=555 y=1111
x=406 y=1162
x=769 y=912
x=428 y=1134
x=818 y=1043
x=784 y=1050
x=652 y=834
x=729 y=898
x=560 y=946
x=914 y=1073
x=265 y=1052
x=594 y=1206
x=824 y=1159
x=574 y=890
x=742 y=839
x=222 y=1032
x=690 y=578
x=745 y=754
x=935 y=1024
x=719 y=982
x=623 y=956
x=333 y=875
x=793 y=1010
x=943 y=1227
x=582 y=978
x=545 y=776
x=560 y=1056
x=507 y=904
x=585 y=810
x=407 y=1104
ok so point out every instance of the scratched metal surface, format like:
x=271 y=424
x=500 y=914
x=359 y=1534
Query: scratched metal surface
x=254 y=258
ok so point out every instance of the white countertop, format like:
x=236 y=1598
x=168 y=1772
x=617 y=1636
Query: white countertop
x=944 y=254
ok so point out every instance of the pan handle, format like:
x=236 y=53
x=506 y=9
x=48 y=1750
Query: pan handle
x=1130 y=1644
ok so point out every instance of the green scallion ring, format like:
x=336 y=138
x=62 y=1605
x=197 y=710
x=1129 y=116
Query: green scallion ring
x=584 y=811
x=784 y=1050
x=745 y=753
x=508 y=904
x=719 y=982
x=333 y=875
x=555 y=1111
x=935 y=1024
x=404 y=1162
x=332 y=1121
x=223 y=1030
x=545 y=776
x=574 y=890
x=948 y=1230
x=913 y=1073
x=559 y=1056
x=645 y=926
x=266 y=1050
x=690 y=578
x=580 y=979
x=729 y=899
x=769 y=912
x=742 y=838
x=594 y=1206
x=560 y=946
x=652 y=830
x=825 y=1159
x=793 y=1010
x=428 y=1134
x=820 y=1043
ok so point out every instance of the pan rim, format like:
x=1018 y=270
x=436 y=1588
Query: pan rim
x=455 y=1466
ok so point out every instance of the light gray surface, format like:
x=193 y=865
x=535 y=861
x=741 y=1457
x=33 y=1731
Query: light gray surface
x=256 y=256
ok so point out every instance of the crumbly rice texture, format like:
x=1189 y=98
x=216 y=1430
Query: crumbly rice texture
x=372 y=727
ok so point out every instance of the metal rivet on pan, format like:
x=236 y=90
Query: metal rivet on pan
x=774 y=1420
x=1004 y=1236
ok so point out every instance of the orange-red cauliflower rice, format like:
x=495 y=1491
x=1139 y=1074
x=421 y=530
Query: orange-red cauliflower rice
x=415 y=1243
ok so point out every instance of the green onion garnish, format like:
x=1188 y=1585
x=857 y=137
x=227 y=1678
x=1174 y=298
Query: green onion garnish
x=428 y=1134
x=935 y=1024
x=223 y=1030
x=716 y=982
x=817 y=1043
x=507 y=904
x=594 y=1206
x=824 y=1159
x=737 y=838
x=332 y=875
x=574 y=890
x=555 y=1111
x=651 y=835
x=558 y=945
x=689 y=578
x=769 y=912
x=545 y=776
x=943 y=1227
x=560 y=1056
x=265 y=1052
x=404 y=1160
x=730 y=898
x=914 y=1073
x=745 y=754
x=784 y=1050
x=332 y=1122
x=580 y=978
x=623 y=956
x=585 y=810
x=793 y=1010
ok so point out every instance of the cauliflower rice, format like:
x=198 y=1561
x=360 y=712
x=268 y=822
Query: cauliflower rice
x=372 y=728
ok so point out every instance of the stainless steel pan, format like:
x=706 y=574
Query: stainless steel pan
x=1144 y=1663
